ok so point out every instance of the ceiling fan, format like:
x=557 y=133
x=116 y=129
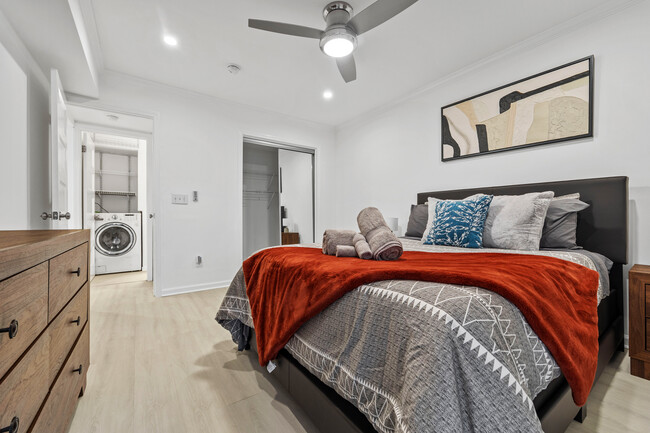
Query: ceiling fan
x=339 y=39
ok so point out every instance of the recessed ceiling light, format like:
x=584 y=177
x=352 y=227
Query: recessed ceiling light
x=170 y=40
x=327 y=94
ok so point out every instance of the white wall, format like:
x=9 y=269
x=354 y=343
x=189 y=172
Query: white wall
x=197 y=145
x=296 y=194
x=400 y=147
x=24 y=169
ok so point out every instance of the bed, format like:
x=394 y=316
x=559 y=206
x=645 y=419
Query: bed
x=303 y=368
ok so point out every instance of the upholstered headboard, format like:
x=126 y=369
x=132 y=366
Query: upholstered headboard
x=602 y=227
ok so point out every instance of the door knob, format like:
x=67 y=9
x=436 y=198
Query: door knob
x=64 y=215
x=46 y=215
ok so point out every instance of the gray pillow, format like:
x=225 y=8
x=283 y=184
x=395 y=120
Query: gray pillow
x=515 y=222
x=561 y=222
x=417 y=220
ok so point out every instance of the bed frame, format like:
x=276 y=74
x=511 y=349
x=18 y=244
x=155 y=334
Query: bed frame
x=602 y=228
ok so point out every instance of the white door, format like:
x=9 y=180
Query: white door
x=61 y=164
x=88 y=155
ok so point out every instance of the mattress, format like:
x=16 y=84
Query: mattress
x=417 y=356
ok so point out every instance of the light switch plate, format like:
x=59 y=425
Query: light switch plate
x=179 y=199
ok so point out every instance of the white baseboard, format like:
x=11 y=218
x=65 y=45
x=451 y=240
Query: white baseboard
x=170 y=291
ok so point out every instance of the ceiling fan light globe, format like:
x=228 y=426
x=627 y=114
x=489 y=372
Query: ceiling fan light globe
x=338 y=42
x=338 y=47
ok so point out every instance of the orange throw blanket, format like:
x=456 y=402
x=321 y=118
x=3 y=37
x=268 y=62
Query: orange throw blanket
x=288 y=286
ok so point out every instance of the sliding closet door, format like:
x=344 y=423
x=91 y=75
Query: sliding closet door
x=297 y=193
x=261 y=200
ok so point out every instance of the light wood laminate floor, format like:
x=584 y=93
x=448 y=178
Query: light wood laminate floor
x=163 y=365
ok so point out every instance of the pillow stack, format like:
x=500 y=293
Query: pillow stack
x=517 y=222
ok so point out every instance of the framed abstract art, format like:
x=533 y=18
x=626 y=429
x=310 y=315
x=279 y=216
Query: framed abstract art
x=552 y=106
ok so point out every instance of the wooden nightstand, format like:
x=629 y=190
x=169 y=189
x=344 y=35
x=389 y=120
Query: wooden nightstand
x=640 y=321
x=289 y=238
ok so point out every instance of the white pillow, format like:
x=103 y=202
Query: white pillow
x=515 y=222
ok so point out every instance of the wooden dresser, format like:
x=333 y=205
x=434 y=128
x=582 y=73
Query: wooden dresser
x=44 y=345
x=640 y=321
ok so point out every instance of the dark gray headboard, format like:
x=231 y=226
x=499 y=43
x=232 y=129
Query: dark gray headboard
x=602 y=227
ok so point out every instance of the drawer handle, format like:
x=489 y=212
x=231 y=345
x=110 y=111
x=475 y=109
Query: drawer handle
x=13 y=427
x=77 y=321
x=12 y=330
x=78 y=272
x=79 y=370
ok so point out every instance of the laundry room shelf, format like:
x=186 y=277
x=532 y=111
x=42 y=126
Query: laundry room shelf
x=116 y=193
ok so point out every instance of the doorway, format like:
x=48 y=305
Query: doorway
x=115 y=189
x=114 y=197
x=278 y=195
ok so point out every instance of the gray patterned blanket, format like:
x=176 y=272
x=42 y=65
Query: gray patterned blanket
x=418 y=356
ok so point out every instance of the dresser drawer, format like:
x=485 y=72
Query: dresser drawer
x=62 y=401
x=65 y=329
x=68 y=272
x=23 y=390
x=23 y=313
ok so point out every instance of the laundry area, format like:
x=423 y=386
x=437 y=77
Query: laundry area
x=114 y=201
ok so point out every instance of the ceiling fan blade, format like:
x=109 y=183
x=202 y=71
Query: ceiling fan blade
x=347 y=68
x=286 y=29
x=377 y=13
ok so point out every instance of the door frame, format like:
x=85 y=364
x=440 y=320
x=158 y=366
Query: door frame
x=153 y=179
x=279 y=144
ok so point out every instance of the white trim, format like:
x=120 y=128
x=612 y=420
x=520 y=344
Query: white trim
x=194 y=288
x=102 y=129
x=567 y=27
x=268 y=142
x=92 y=35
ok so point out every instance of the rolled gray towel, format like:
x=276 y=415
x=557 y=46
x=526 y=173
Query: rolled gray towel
x=383 y=242
x=332 y=238
x=345 y=251
x=361 y=246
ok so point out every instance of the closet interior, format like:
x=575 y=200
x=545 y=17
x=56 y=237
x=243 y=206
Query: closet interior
x=278 y=196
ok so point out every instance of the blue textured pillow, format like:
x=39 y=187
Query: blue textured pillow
x=459 y=223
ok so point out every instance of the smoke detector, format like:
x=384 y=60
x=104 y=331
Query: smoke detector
x=233 y=68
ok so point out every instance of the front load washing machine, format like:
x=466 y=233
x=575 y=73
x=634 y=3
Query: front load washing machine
x=118 y=242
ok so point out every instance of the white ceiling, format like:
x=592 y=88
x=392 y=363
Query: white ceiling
x=425 y=43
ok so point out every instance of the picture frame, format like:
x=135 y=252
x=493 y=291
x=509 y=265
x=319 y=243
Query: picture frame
x=549 y=107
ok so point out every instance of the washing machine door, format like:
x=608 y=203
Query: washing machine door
x=114 y=239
